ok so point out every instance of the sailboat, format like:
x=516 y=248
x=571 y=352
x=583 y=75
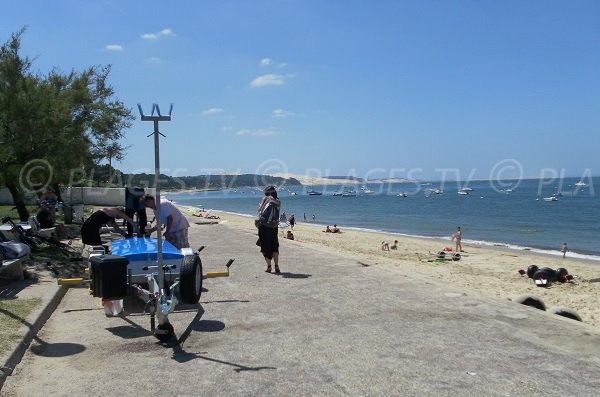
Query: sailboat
x=313 y=192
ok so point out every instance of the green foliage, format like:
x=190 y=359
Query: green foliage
x=65 y=120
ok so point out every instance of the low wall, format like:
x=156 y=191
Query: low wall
x=79 y=195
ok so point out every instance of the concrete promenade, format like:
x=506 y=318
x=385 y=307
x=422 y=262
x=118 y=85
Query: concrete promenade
x=327 y=326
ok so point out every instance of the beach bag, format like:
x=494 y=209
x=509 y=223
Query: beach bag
x=14 y=250
x=268 y=215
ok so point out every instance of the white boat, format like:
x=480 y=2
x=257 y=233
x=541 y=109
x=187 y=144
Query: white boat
x=581 y=184
x=369 y=191
x=403 y=194
x=466 y=189
x=436 y=191
x=463 y=192
x=314 y=193
x=349 y=193
x=551 y=198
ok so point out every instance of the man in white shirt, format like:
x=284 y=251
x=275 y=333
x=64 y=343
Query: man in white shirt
x=174 y=223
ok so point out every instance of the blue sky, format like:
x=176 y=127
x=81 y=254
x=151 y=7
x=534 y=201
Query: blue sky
x=365 y=88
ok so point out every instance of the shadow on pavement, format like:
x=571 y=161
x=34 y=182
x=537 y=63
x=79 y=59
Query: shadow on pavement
x=294 y=275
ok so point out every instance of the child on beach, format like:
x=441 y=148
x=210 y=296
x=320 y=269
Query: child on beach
x=564 y=250
x=385 y=246
x=395 y=246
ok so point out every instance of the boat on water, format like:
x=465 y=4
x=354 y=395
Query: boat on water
x=368 y=191
x=402 y=194
x=581 y=184
x=349 y=193
x=551 y=198
x=314 y=193
x=436 y=191
x=466 y=189
x=463 y=192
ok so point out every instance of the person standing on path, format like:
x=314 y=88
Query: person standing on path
x=90 y=231
x=457 y=236
x=292 y=221
x=268 y=241
x=175 y=224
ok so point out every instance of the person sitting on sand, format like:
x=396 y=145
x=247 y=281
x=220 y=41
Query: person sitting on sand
x=385 y=246
x=327 y=230
x=335 y=229
x=290 y=235
x=395 y=246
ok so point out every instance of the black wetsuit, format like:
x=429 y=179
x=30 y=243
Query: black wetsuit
x=90 y=231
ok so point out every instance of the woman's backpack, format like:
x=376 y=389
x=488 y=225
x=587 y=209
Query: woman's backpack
x=268 y=214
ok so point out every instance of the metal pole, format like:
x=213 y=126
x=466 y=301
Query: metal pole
x=156 y=133
x=157 y=203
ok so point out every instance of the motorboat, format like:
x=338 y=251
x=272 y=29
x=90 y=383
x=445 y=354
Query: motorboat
x=436 y=191
x=402 y=194
x=466 y=189
x=463 y=192
x=581 y=184
x=349 y=193
x=551 y=198
x=314 y=193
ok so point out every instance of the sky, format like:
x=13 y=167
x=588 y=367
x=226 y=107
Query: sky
x=380 y=89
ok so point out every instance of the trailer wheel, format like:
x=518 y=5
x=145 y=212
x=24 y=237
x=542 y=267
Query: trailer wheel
x=190 y=280
x=164 y=332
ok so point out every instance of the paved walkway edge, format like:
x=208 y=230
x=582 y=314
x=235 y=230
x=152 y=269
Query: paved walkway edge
x=40 y=316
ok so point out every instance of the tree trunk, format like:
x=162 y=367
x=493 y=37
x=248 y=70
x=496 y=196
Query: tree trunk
x=19 y=201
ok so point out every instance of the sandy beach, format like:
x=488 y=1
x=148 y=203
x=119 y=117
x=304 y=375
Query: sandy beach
x=491 y=271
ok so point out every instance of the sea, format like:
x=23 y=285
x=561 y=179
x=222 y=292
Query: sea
x=519 y=214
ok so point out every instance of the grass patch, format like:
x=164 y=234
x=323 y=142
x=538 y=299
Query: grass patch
x=13 y=315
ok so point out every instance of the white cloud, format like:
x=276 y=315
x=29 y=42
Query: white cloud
x=268 y=79
x=265 y=62
x=114 y=47
x=154 y=60
x=210 y=111
x=259 y=132
x=155 y=36
x=282 y=113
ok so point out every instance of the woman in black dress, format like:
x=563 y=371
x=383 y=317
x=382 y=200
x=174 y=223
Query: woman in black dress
x=267 y=236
